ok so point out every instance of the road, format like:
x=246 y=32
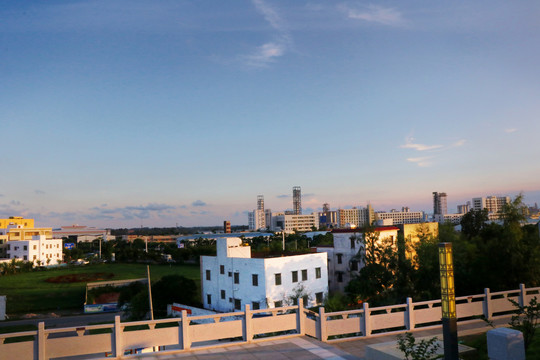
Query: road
x=64 y=321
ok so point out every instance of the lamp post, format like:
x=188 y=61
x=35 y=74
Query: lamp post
x=448 y=302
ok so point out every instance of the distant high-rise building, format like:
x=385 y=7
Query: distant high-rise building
x=257 y=218
x=297 y=200
x=493 y=204
x=463 y=209
x=439 y=204
x=227 y=227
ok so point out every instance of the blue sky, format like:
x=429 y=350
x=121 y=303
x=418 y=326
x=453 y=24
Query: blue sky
x=156 y=113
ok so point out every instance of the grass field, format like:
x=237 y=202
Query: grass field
x=30 y=293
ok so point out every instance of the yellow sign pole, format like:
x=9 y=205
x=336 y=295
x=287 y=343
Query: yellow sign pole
x=448 y=301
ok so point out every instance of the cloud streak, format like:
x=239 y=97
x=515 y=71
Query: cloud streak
x=426 y=161
x=409 y=144
x=270 y=51
x=376 y=14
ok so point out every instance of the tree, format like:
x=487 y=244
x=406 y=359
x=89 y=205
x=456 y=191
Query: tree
x=376 y=277
x=473 y=222
x=173 y=288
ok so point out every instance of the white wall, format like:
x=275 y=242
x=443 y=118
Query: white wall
x=265 y=293
x=285 y=266
x=39 y=248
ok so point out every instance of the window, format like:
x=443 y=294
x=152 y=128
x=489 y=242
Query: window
x=223 y=294
x=222 y=269
x=339 y=276
x=35 y=257
x=25 y=257
x=230 y=300
x=35 y=247
x=339 y=258
x=25 y=247
x=318 y=273
x=230 y=274
x=237 y=278
x=9 y=247
x=295 y=276
x=278 y=279
x=304 y=275
x=354 y=265
x=209 y=299
x=255 y=306
x=255 y=279
x=305 y=300
x=237 y=304
x=208 y=275
x=319 y=297
x=278 y=304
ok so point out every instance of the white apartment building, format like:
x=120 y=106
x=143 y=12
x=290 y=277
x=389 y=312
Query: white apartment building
x=401 y=217
x=355 y=217
x=39 y=250
x=291 y=223
x=232 y=278
x=257 y=220
x=454 y=219
x=342 y=265
x=493 y=204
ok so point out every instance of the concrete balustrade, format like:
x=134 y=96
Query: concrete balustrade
x=184 y=333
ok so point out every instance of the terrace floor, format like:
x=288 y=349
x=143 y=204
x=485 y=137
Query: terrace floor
x=305 y=348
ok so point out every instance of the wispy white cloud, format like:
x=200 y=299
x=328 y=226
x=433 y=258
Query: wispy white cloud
x=434 y=150
x=422 y=161
x=509 y=131
x=459 y=143
x=264 y=55
x=267 y=53
x=376 y=14
x=270 y=15
x=409 y=144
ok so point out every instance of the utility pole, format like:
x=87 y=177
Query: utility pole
x=150 y=292
x=283 y=233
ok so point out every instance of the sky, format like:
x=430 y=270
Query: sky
x=132 y=113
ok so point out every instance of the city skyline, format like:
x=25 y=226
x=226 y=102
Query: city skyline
x=130 y=113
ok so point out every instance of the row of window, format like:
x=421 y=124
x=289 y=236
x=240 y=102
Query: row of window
x=235 y=276
x=294 y=275
x=256 y=305
x=34 y=247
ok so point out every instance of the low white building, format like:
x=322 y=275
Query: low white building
x=402 y=217
x=342 y=264
x=39 y=250
x=291 y=223
x=233 y=278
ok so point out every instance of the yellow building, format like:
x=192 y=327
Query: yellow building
x=413 y=233
x=18 y=228
x=16 y=220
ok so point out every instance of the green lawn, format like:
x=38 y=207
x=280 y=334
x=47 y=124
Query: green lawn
x=30 y=293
